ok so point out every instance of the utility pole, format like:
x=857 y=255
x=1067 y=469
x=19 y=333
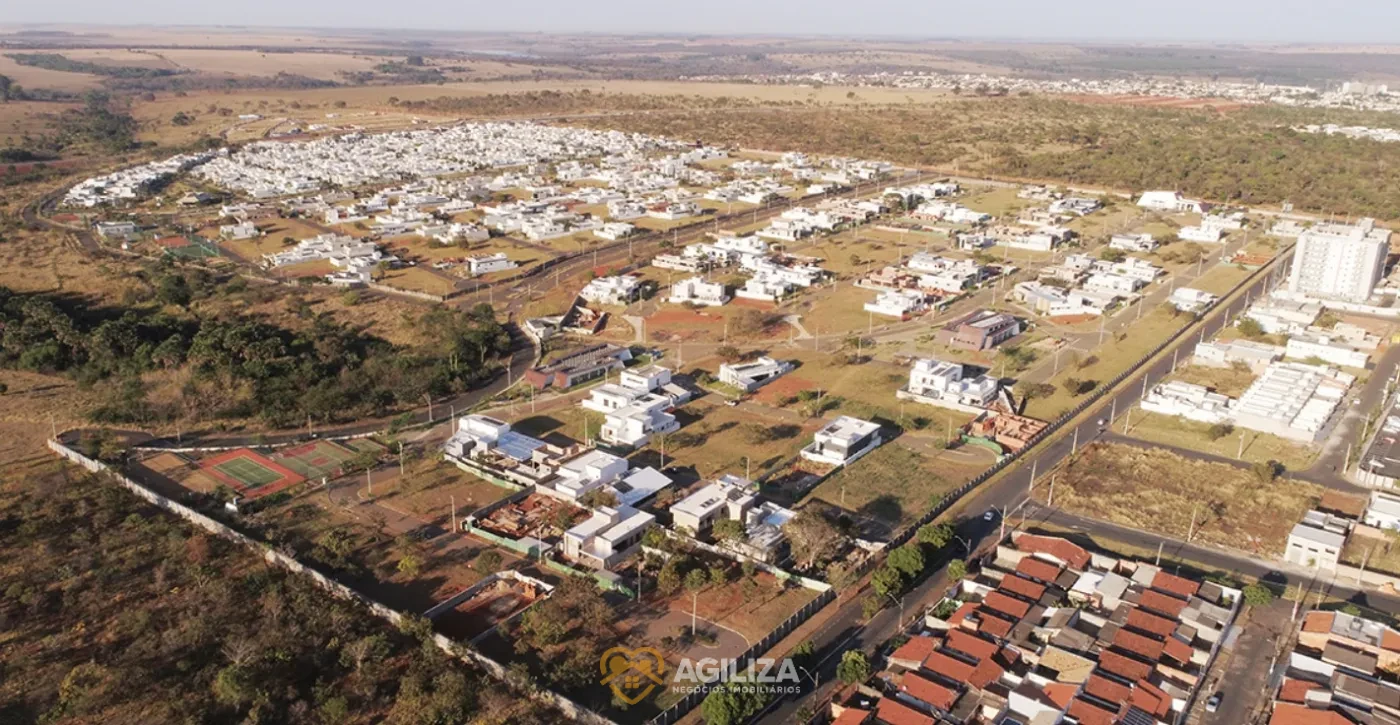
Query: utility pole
x=1050 y=502
x=453 y=499
x=369 y=481
x=1074 y=445
x=694 y=610
x=1159 y=553
x=429 y=397
x=1191 y=532
x=1362 y=571
x=1239 y=454
x=400 y=459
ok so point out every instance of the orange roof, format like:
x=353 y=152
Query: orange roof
x=954 y=670
x=1287 y=713
x=1176 y=585
x=1169 y=607
x=1090 y=714
x=1150 y=698
x=1151 y=623
x=852 y=716
x=1124 y=666
x=1008 y=605
x=1177 y=650
x=1107 y=690
x=1144 y=647
x=965 y=609
x=929 y=691
x=1390 y=640
x=1318 y=622
x=1296 y=690
x=987 y=672
x=992 y=623
x=893 y=713
x=1061 y=693
x=1037 y=569
x=1022 y=586
x=970 y=644
x=915 y=650
x=1062 y=549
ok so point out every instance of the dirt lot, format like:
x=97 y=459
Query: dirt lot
x=889 y=487
x=1196 y=436
x=1160 y=491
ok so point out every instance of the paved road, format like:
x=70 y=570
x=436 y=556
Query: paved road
x=1242 y=674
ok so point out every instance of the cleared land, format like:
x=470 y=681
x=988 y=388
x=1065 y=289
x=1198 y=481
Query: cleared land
x=1257 y=447
x=889 y=487
x=1160 y=491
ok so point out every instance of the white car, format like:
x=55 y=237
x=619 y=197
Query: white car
x=1213 y=703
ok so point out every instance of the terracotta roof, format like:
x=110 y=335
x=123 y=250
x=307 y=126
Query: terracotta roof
x=891 y=712
x=927 y=690
x=1296 y=690
x=970 y=644
x=964 y=609
x=987 y=672
x=1177 y=650
x=1152 y=699
x=1022 y=586
x=1006 y=604
x=1090 y=714
x=1124 y=666
x=852 y=716
x=916 y=649
x=954 y=670
x=1318 y=622
x=1037 y=569
x=1162 y=604
x=1061 y=549
x=1176 y=585
x=1061 y=693
x=1390 y=640
x=992 y=623
x=1107 y=690
x=1287 y=713
x=1144 y=647
x=1150 y=623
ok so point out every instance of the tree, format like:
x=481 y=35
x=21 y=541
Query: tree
x=668 y=580
x=908 y=560
x=1219 y=430
x=719 y=576
x=696 y=579
x=732 y=703
x=181 y=119
x=812 y=537
x=1267 y=471
x=957 y=570
x=599 y=497
x=936 y=535
x=1113 y=255
x=1250 y=328
x=854 y=667
x=887 y=581
x=487 y=562
x=729 y=530
x=728 y=353
x=1257 y=595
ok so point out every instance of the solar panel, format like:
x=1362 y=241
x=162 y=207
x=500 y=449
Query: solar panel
x=517 y=445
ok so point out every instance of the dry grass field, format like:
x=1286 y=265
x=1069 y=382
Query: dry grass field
x=1257 y=447
x=31 y=77
x=1160 y=491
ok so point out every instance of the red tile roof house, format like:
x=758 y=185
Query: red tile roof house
x=891 y=712
x=911 y=654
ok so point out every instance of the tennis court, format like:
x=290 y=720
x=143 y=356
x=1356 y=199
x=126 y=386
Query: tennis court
x=250 y=473
x=317 y=459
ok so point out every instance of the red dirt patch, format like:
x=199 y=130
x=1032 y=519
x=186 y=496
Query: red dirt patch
x=784 y=387
x=1072 y=319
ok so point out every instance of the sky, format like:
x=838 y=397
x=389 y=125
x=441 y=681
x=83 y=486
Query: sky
x=1315 y=21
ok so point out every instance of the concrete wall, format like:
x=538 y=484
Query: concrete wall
x=570 y=708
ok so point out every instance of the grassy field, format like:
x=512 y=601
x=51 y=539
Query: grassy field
x=418 y=279
x=1195 y=436
x=890 y=487
x=1380 y=552
x=716 y=440
x=1000 y=203
x=1219 y=279
x=1160 y=491
x=1113 y=357
x=1229 y=381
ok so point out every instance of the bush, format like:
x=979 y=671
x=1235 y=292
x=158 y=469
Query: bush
x=1257 y=595
x=957 y=570
x=1220 y=430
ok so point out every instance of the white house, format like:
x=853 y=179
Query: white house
x=1317 y=541
x=754 y=374
x=1281 y=317
x=728 y=497
x=1185 y=400
x=1133 y=242
x=477 y=435
x=695 y=290
x=606 y=537
x=588 y=471
x=693 y=265
x=946 y=384
x=244 y=230
x=614 y=231
x=842 y=441
x=488 y=263
x=1200 y=233
x=764 y=288
x=1170 y=201
x=1306 y=345
x=1188 y=299
x=1218 y=354
x=1383 y=511
x=901 y=303
x=635 y=423
x=619 y=290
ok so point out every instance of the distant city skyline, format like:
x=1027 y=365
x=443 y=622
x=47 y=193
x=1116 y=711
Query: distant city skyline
x=1273 y=21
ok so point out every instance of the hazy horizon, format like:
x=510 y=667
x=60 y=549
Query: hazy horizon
x=1243 y=21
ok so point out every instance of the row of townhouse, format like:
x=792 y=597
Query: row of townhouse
x=1048 y=632
x=1337 y=673
x=131 y=184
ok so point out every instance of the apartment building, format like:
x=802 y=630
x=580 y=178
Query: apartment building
x=1339 y=261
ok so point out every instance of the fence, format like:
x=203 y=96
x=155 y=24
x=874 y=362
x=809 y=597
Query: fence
x=690 y=701
x=570 y=708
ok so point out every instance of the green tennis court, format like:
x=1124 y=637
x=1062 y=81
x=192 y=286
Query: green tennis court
x=250 y=473
x=317 y=459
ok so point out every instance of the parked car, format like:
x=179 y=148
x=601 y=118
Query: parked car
x=1213 y=703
